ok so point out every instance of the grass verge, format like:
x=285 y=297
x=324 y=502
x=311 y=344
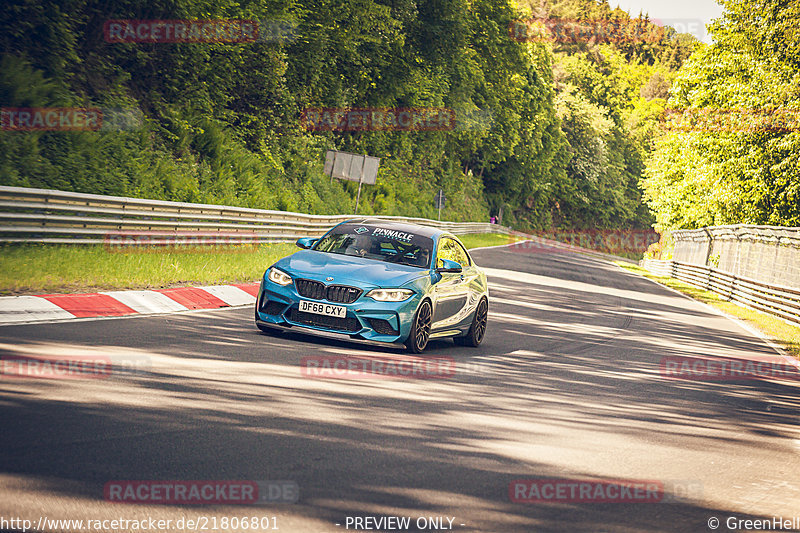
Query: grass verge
x=37 y=269
x=42 y=268
x=478 y=240
x=782 y=333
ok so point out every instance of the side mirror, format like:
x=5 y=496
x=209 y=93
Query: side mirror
x=305 y=242
x=449 y=266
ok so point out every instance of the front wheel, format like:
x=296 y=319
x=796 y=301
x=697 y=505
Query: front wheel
x=478 y=328
x=421 y=329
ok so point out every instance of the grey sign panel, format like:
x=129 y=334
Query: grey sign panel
x=329 y=157
x=347 y=166
x=356 y=162
x=341 y=166
x=371 y=169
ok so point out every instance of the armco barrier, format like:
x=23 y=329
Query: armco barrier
x=768 y=254
x=775 y=299
x=757 y=266
x=60 y=217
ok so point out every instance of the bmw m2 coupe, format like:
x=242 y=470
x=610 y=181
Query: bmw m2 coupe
x=380 y=281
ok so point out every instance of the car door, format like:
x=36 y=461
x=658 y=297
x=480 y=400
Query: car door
x=451 y=292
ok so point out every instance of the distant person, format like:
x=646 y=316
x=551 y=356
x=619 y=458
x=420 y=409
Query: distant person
x=493 y=220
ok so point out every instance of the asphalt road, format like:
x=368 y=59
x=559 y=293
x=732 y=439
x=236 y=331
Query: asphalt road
x=568 y=385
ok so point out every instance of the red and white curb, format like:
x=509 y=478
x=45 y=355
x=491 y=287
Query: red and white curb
x=58 y=307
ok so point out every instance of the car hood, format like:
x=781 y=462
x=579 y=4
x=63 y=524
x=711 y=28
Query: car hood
x=348 y=270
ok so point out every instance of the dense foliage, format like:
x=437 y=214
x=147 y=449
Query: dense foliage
x=733 y=155
x=559 y=140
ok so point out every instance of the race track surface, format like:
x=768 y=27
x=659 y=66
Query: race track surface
x=568 y=385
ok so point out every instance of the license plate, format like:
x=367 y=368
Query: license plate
x=323 y=309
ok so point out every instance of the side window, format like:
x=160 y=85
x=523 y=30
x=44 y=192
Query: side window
x=462 y=253
x=444 y=252
x=450 y=249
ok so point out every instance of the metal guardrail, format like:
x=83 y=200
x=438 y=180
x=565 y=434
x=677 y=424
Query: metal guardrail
x=61 y=217
x=768 y=254
x=778 y=300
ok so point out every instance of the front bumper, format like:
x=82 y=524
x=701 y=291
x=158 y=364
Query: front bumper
x=366 y=319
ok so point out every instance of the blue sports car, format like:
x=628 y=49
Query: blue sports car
x=380 y=281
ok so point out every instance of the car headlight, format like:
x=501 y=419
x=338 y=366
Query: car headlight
x=279 y=277
x=390 y=295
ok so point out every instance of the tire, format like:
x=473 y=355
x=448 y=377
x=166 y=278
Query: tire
x=421 y=329
x=477 y=329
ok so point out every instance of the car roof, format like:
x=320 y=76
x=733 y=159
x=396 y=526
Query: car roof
x=425 y=231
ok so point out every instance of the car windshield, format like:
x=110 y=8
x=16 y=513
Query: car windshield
x=379 y=243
